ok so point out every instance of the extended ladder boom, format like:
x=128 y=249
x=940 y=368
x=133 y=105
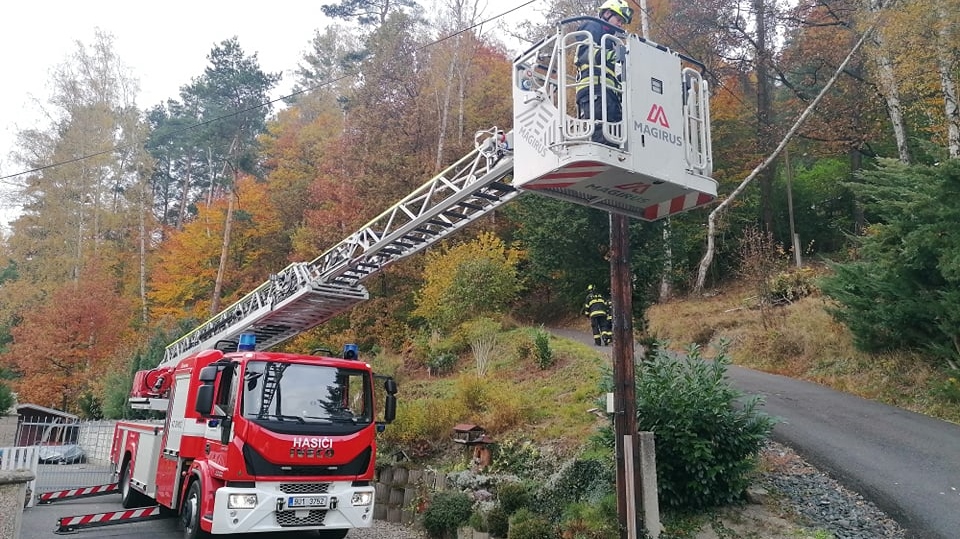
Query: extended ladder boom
x=306 y=294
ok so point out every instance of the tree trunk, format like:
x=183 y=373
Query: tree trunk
x=764 y=113
x=890 y=89
x=224 y=251
x=946 y=65
x=184 y=195
x=712 y=219
x=445 y=108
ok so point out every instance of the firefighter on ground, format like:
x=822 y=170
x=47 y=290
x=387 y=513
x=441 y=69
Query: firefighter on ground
x=595 y=307
x=606 y=333
x=603 y=79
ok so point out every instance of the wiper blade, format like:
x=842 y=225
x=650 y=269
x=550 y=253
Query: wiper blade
x=281 y=417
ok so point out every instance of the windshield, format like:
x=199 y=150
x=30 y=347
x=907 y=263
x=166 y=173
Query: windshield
x=304 y=393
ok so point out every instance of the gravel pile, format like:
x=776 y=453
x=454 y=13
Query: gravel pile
x=821 y=502
x=381 y=529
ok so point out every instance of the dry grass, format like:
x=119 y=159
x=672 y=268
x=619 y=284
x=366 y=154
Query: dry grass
x=801 y=340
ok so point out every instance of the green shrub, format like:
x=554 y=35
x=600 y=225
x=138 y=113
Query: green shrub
x=706 y=440
x=441 y=363
x=591 y=520
x=541 y=349
x=498 y=522
x=524 y=524
x=518 y=457
x=513 y=496
x=949 y=389
x=789 y=286
x=577 y=480
x=6 y=398
x=447 y=512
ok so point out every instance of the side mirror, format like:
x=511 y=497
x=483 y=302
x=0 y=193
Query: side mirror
x=390 y=409
x=208 y=374
x=390 y=386
x=204 y=403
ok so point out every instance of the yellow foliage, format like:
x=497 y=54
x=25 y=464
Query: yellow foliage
x=451 y=293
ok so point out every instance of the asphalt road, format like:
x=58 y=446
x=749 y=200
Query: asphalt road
x=906 y=463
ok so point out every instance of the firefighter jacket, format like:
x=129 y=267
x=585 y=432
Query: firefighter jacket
x=604 y=61
x=595 y=305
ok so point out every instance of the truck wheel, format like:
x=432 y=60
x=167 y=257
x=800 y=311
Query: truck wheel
x=190 y=513
x=130 y=497
x=332 y=534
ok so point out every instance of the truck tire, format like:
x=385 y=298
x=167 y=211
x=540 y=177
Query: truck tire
x=190 y=513
x=332 y=534
x=129 y=496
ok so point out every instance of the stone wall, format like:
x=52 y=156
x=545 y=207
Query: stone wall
x=13 y=490
x=401 y=493
x=400 y=490
x=8 y=430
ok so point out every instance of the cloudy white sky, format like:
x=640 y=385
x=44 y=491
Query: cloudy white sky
x=164 y=44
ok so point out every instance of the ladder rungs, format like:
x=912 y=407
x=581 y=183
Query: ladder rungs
x=470 y=205
x=502 y=187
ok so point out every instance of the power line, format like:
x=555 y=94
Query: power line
x=255 y=107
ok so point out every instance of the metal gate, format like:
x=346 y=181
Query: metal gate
x=66 y=453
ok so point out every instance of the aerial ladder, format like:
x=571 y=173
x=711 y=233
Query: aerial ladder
x=658 y=164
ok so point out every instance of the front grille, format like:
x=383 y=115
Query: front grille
x=304 y=488
x=314 y=517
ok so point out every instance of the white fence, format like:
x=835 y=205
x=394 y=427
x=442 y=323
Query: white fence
x=23 y=458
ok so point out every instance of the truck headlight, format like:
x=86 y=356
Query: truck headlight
x=362 y=498
x=241 y=501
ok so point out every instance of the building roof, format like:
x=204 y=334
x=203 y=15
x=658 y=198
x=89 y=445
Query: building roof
x=36 y=407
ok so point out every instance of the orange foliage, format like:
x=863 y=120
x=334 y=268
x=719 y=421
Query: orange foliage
x=182 y=280
x=63 y=348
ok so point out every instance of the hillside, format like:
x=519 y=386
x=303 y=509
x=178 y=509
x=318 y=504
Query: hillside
x=802 y=341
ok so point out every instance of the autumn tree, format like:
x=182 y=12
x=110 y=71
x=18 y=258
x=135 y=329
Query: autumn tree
x=64 y=348
x=186 y=268
x=468 y=280
x=84 y=199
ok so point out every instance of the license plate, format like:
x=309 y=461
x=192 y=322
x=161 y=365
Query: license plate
x=307 y=501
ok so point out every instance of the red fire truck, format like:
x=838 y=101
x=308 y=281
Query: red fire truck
x=256 y=441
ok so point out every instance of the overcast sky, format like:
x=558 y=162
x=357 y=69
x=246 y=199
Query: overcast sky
x=165 y=45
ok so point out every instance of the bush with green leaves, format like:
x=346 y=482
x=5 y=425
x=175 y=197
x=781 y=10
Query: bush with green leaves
x=519 y=457
x=541 y=348
x=498 y=521
x=577 y=480
x=441 y=363
x=707 y=435
x=591 y=520
x=6 y=398
x=447 y=512
x=513 y=496
x=525 y=524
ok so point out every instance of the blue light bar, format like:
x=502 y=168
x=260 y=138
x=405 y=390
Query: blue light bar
x=248 y=342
